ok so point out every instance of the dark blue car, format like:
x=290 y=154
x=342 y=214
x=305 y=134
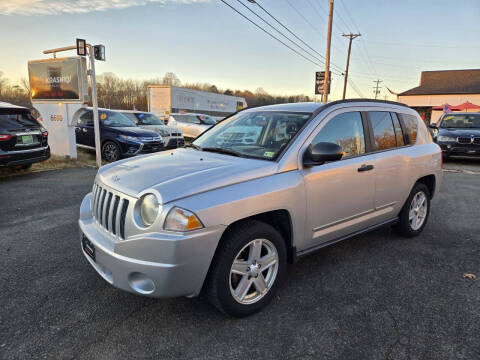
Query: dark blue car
x=458 y=134
x=119 y=136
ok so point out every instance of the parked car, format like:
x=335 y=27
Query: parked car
x=192 y=125
x=171 y=135
x=23 y=141
x=120 y=137
x=227 y=217
x=458 y=134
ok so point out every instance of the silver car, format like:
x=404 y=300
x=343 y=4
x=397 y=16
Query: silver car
x=192 y=125
x=171 y=135
x=261 y=189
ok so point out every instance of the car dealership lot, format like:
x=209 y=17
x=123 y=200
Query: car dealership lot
x=376 y=296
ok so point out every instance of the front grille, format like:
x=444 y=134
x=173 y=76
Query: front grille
x=109 y=210
x=464 y=140
x=176 y=142
x=476 y=140
x=176 y=134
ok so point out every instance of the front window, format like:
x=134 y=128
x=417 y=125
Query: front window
x=255 y=134
x=114 y=119
x=345 y=130
x=148 y=119
x=463 y=121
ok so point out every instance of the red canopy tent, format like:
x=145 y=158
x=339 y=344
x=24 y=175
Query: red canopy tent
x=466 y=106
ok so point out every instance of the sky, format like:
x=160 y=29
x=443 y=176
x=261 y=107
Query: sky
x=206 y=41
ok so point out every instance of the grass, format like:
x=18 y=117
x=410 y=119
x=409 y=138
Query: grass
x=84 y=158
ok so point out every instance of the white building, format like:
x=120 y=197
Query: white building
x=436 y=88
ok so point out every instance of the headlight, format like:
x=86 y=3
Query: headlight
x=130 y=138
x=181 y=220
x=163 y=132
x=149 y=209
x=446 y=138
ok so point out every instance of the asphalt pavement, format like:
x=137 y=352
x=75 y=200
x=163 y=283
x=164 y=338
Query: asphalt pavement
x=376 y=296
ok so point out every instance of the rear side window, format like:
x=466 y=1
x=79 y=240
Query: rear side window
x=14 y=118
x=383 y=131
x=411 y=126
x=346 y=130
x=398 y=130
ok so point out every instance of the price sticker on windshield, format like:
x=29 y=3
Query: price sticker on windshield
x=269 y=154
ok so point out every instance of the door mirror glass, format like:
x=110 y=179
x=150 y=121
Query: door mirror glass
x=322 y=152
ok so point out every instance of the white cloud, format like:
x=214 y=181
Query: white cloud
x=53 y=7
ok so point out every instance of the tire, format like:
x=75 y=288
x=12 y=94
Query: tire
x=26 y=166
x=408 y=227
x=223 y=281
x=110 y=151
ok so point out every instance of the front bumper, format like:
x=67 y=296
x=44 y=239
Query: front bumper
x=153 y=264
x=456 y=149
x=132 y=148
x=24 y=157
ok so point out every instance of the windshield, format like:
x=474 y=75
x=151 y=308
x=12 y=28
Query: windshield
x=261 y=134
x=114 y=119
x=463 y=121
x=148 y=119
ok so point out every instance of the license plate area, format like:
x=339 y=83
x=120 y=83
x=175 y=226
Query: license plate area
x=27 y=139
x=88 y=247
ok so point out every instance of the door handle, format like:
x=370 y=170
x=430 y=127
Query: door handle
x=84 y=130
x=365 y=168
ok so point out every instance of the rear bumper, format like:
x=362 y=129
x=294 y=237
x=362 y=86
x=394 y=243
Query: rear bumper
x=24 y=157
x=150 y=264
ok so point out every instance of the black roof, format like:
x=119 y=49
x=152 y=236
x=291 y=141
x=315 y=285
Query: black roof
x=447 y=82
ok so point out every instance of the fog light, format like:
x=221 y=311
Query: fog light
x=449 y=146
x=141 y=283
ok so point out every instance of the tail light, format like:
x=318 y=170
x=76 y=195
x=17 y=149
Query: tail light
x=45 y=133
x=5 y=137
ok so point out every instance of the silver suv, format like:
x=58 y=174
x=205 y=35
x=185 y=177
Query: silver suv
x=260 y=189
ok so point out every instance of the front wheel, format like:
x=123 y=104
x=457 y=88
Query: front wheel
x=414 y=214
x=247 y=269
x=110 y=151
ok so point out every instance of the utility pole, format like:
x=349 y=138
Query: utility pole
x=376 y=87
x=327 y=57
x=351 y=37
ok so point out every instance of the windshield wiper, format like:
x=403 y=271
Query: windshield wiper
x=196 y=147
x=222 y=151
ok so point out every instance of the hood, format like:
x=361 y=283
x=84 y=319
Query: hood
x=459 y=132
x=181 y=173
x=157 y=128
x=134 y=131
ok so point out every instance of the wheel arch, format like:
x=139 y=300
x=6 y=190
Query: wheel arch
x=430 y=182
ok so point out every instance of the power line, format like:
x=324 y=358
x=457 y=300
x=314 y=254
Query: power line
x=270 y=34
x=278 y=31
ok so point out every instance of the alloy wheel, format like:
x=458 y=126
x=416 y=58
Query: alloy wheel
x=254 y=271
x=418 y=210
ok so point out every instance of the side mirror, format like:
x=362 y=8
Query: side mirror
x=433 y=126
x=322 y=152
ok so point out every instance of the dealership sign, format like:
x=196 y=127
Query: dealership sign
x=58 y=79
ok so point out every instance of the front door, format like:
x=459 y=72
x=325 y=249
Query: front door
x=340 y=194
x=84 y=131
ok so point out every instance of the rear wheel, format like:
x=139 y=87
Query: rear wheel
x=110 y=151
x=248 y=267
x=414 y=214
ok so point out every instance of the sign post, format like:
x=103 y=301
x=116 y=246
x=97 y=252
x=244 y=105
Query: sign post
x=94 y=52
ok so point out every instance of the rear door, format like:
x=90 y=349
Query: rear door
x=391 y=163
x=84 y=130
